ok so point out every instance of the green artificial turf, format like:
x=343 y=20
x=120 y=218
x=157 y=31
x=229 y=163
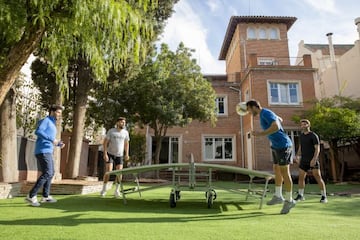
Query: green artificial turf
x=150 y=217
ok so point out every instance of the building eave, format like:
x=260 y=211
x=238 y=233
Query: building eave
x=235 y=20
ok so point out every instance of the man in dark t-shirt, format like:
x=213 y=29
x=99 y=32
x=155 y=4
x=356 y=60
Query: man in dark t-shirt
x=307 y=158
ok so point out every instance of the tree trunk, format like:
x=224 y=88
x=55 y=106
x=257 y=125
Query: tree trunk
x=83 y=87
x=8 y=141
x=17 y=57
x=158 y=139
x=333 y=160
x=57 y=151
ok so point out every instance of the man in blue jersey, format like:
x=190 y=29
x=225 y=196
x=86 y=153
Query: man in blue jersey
x=281 y=147
x=44 y=147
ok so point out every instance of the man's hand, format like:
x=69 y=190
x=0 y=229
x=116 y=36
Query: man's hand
x=126 y=157
x=312 y=163
x=256 y=133
x=297 y=159
x=105 y=157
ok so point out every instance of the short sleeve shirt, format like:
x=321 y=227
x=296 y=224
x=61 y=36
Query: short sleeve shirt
x=278 y=139
x=117 y=141
x=308 y=142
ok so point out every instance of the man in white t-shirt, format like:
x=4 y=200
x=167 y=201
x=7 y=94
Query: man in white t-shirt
x=116 y=150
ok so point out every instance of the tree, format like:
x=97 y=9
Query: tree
x=123 y=30
x=27 y=106
x=336 y=120
x=105 y=32
x=169 y=91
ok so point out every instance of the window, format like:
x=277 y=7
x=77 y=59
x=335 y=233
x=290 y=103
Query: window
x=262 y=33
x=295 y=138
x=284 y=93
x=266 y=61
x=218 y=148
x=221 y=105
x=273 y=33
x=173 y=150
x=251 y=33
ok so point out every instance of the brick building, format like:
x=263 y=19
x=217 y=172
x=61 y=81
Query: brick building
x=258 y=66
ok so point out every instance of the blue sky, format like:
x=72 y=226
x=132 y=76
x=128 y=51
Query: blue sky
x=201 y=24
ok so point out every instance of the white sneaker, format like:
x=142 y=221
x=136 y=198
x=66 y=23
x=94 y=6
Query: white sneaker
x=117 y=194
x=32 y=201
x=48 y=199
x=103 y=193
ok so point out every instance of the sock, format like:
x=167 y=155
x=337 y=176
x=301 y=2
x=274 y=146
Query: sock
x=104 y=187
x=117 y=187
x=323 y=193
x=288 y=196
x=278 y=191
x=301 y=191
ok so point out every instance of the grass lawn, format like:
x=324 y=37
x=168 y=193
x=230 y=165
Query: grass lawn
x=150 y=217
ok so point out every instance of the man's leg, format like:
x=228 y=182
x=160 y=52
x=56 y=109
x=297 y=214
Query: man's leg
x=108 y=167
x=288 y=185
x=118 y=180
x=47 y=169
x=317 y=174
x=278 y=180
x=301 y=185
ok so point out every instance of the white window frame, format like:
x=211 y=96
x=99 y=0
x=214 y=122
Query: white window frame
x=225 y=105
x=223 y=137
x=273 y=30
x=292 y=135
x=287 y=83
x=260 y=31
x=254 y=32
x=264 y=61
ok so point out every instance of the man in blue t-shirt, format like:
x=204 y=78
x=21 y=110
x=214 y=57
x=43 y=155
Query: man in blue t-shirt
x=44 y=147
x=281 y=147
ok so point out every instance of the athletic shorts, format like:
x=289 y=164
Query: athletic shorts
x=117 y=160
x=305 y=165
x=282 y=156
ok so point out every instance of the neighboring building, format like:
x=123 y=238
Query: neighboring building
x=337 y=67
x=256 y=52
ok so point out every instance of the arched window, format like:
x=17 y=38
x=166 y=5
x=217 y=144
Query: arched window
x=274 y=33
x=251 y=34
x=262 y=33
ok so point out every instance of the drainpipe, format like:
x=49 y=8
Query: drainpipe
x=241 y=130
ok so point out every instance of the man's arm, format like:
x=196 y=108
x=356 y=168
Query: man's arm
x=126 y=148
x=274 y=127
x=316 y=154
x=105 y=144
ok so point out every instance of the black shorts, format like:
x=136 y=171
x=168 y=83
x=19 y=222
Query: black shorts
x=117 y=160
x=282 y=156
x=305 y=165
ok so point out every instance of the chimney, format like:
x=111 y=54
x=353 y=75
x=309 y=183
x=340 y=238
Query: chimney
x=357 y=23
x=331 y=47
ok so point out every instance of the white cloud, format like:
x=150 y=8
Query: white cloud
x=214 y=5
x=323 y=5
x=186 y=26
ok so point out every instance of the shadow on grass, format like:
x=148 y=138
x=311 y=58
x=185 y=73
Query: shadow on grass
x=144 y=205
x=91 y=209
x=78 y=219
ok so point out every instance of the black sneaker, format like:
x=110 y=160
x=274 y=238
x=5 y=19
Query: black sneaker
x=299 y=197
x=323 y=199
